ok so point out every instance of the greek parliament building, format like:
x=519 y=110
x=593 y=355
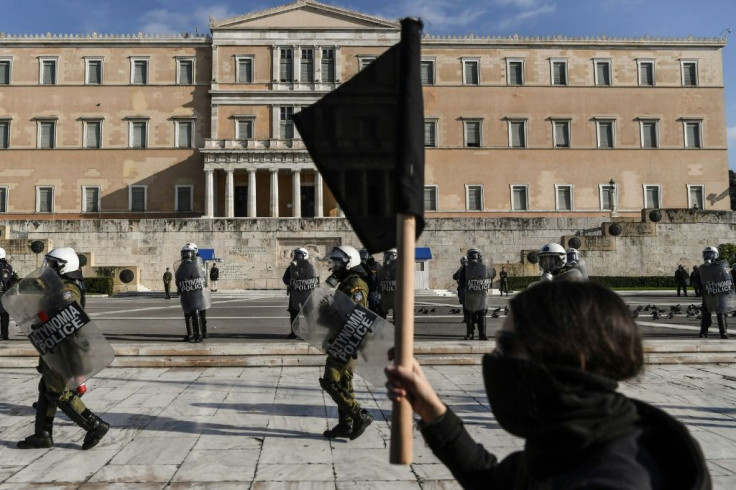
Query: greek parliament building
x=147 y=126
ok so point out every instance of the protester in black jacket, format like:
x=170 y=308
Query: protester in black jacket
x=552 y=381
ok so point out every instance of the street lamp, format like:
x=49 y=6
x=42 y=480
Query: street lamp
x=612 y=183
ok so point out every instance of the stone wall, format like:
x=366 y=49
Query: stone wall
x=255 y=252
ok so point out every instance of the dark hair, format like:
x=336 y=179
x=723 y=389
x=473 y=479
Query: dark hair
x=557 y=321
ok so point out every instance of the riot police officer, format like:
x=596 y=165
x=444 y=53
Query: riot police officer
x=371 y=267
x=337 y=380
x=301 y=279
x=53 y=391
x=387 y=282
x=193 y=293
x=717 y=285
x=552 y=260
x=574 y=262
x=478 y=279
x=459 y=277
x=203 y=312
x=7 y=278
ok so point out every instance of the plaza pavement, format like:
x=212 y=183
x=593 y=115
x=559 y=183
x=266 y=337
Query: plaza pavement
x=261 y=428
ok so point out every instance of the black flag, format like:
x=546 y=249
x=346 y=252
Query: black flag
x=367 y=140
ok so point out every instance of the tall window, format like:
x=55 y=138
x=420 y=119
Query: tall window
x=4 y=134
x=561 y=134
x=46 y=134
x=184 y=197
x=244 y=70
x=607 y=196
x=646 y=73
x=91 y=199
x=185 y=71
x=430 y=133
x=471 y=72
x=244 y=129
x=92 y=134
x=473 y=133
x=184 y=134
x=604 y=130
x=689 y=73
x=138 y=198
x=651 y=196
x=430 y=198
x=44 y=199
x=695 y=196
x=693 y=134
x=306 y=74
x=3 y=199
x=519 y=198
x=48 y=72
x=328 y=65
x=286 y=123
x=138 y=71
x=4 y=72
x=474 y=197
x=649 y=134
x=563 y=197
x=603 y=72
x=517 y=134
x=138 y=134
x=93 y=75
x=559 y=72
x=286 y=65
x=515 y=72
x=427 y=72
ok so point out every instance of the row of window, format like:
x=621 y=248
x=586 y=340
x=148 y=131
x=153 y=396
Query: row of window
x=92 y=133
x=561 y=133
x=137 y=198
x=558 y=72
x=564 y=199
x=48 y=69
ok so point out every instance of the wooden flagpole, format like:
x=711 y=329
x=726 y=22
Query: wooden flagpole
x=401 y=416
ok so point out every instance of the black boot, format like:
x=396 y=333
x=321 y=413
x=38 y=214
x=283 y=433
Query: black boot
x=482 y=327
x=203 y=324
x=722 y=326
x=196 y=328
x=468 y=330
x=361 y=420
x=341 y=430
x=42 y=436
x=4 y=323
x=188 y=322
x=97 y=432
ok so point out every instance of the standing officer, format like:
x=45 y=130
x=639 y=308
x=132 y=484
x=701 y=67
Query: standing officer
x=300 y=279
x=719 y=296
x=338 y=376
x=214 y=276
x=503 y=282
x=459 y=277
x=387 y=282
x=53 y=391
x=167 y=283
x=478 y=279
x=7 y=278
x=203 y=312
x=681 y=277
x=193 y=293
x=553 y=261
x=371 y=268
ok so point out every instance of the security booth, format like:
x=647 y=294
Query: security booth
x=422 y=256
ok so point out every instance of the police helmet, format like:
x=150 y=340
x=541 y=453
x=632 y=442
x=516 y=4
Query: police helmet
x=463 y=260
x=474 y=255
x=364 y=255
x=188 y=251
x=552 y=256
x=390 y=254
x=2 y=253
x=63 y=260
x=345 y=255
x=710 y=253
x=572 y=255
x=301 y=253
x=194 y=247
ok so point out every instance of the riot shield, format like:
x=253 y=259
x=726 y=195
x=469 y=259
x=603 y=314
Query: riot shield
x=569 y=274
x=583 y=268
x=718 y=287
x=191 y=282
x=477 y=283
x=387 y=286
x=344 y=330
x=57 y=326
x=303 y=279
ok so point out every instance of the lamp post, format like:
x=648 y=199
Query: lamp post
x=612 y=183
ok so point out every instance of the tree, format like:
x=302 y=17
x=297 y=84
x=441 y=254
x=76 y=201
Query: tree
x=727 y=251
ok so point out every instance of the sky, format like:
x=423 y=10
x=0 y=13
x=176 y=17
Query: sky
x=614 y=18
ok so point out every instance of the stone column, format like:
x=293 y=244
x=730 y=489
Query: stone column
x=296 y=193
x=229 y=193
x=274 y=193
x=209 y=197
x=318 y=198
x=251 y=193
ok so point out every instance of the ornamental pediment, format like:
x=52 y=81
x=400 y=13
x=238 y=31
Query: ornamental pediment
x=304 y=15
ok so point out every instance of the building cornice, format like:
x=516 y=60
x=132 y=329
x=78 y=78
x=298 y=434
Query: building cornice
x=105 y=39
x=563 y=41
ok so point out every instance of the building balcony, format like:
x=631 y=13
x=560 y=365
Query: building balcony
x=213 y=145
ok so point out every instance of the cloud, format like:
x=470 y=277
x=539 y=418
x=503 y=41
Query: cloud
x=530 y=9
x=731 y=133
x=164 y=21
x=439 y=16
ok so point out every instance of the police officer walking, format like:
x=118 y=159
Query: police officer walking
x=459 y=277
x=371 y=267
x=53 y=390
x=717 y=286
x=167 y=283
x=301 y=279
x=7 y=278
x=337 y=380
x=478 y=279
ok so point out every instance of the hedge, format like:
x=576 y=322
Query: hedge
x=521 y=282
x=98 y=285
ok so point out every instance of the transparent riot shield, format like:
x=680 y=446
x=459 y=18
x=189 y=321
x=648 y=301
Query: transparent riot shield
x=477 y=283
x=387 y=286
x=57 y=326
x=718 y=287
x=583 y=268
x=303 y=279
x=191 y=282
x=345 y=330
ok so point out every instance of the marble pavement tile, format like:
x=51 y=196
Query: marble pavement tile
x=218 y=466
x=222 y=441
x=8 y=471
x=724 y=482
x=342 y=484
x=295 y=472
x=277 y=450
x=120 y=486
x=367 y=465
x=34 y=486
x=144 y=473
x=727 y=464
x=717 y=470
x=436 y=471
x=61 y=465
x=155 y=450
x=221 y=485
x=164 y=425
x=441 y=485
x=293 y=485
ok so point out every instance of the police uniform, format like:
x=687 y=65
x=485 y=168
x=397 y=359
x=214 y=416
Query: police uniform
x=167 y=283
x=53 y=393
x=7 y=278
x=504 y=282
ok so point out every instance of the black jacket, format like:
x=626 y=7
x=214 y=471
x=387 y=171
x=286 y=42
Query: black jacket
x=214 y=274
x=657 y=453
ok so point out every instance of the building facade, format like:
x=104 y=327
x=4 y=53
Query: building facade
x=188 y=126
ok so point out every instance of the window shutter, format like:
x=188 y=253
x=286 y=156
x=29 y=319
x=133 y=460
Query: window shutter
x=3 y=200
x=95 y=73
x=692 y=135
x=646 y=75
x=93 y=135
x=430 y=198
x=47 y=135
x=471 y=73
x=185 y=135
x=328 y=65
x=184 y=197
x=49 y=72
x=45 y=199
x=140 y=76
x=245 y=129
x=286 y=71
x=519 y=203
x=650 y=135
x=91 y=199
x=185 y=72
x=603 y=74
x=245 y=71
x=517 y=135
x=564 y=199
x=138 y=199
x=515 y=73
x=474 y=198
x=652 y=197
x=689 y=75
x=607 y=191
x=472 y=130
x=139 y=135
x=558 y=69
x=4 y=127
x=696 y=197
x=562 y=136
x=427 y=73
x=4 y=72
x=605 y=135
x=429 y=136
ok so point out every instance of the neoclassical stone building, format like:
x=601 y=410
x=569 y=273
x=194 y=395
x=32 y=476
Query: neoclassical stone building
x=106 y=126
